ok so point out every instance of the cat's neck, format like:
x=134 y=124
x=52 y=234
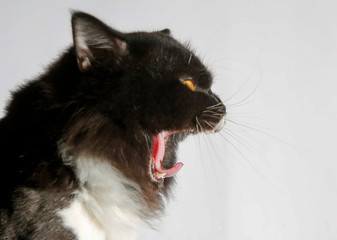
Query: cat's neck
x=106 y=206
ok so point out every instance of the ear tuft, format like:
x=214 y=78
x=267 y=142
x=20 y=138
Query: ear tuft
x=95 y=41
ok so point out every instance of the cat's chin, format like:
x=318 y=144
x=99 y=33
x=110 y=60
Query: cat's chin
x=157 y=171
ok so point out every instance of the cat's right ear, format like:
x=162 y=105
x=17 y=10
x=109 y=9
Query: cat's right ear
x=166 y=31
x=95 y=43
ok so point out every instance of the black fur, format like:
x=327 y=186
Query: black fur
x=105 y=101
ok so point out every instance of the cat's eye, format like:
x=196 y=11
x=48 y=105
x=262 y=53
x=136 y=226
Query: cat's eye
x=189 y=84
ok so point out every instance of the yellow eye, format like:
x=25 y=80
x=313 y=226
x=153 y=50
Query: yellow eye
x=189 y=84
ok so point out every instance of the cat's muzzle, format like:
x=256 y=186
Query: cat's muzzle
x=219 y=125
x=212 y=119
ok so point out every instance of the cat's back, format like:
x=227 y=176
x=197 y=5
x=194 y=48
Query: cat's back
x=34 y=183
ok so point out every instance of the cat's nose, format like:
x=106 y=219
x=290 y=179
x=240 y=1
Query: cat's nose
x=222 y=110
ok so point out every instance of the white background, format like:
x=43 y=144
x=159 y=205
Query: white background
x=272 y=173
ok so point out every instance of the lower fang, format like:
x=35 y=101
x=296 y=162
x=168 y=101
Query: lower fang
x=160 y=175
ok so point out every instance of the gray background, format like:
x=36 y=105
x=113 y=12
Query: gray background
x=272 y=173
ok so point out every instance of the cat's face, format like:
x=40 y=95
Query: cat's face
x=140 y=93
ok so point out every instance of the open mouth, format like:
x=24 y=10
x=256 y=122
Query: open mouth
x=157 y=171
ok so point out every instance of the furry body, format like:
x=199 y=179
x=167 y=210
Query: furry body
x=86 y=147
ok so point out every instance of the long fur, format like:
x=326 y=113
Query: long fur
x=107 y=206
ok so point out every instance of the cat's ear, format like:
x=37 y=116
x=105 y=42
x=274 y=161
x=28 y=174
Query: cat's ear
x=95 y=43
x=166 y=31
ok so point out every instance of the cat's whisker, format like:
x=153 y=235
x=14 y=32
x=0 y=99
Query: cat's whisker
x=214 y=149
x=215 y=106
x=242 y=155
x=231 y=144
x=258 y=154
x=199 y=124
x=243 y=140
x=240 y=88
x=212 y=116
x=263 y=133
x=245 y=116
x=243 y=101
x=215 y=110
x=229 y=119
x=211 y=161
x=208 y=124
x=201 y=154
x=212 y=112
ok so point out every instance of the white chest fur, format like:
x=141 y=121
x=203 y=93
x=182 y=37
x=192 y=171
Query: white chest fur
x=104 y=208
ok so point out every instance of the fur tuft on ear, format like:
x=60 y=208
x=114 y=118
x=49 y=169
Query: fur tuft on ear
x=95 y=42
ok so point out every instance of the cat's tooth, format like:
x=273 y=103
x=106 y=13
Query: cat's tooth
x=160 y=175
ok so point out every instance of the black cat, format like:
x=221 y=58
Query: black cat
x=88 y=148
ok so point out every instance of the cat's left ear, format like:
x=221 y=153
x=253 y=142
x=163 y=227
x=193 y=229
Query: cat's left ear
x=96 y=44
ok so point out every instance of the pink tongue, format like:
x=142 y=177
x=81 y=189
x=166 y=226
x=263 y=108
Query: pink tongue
x=158 y=155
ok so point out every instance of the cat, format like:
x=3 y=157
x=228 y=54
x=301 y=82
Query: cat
x=88 y=149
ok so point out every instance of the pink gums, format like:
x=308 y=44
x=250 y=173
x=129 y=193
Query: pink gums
x=158 y=155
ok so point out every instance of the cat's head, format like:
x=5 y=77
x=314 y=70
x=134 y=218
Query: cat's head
x=139 y=94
